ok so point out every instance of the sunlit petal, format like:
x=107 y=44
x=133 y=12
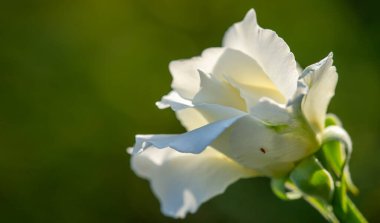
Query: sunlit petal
x=182 y=182
x=190 y=142
x=185 y=72
x=270 y=51
x=321 y=79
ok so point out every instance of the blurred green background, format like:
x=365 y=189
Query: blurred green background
x=78 y=79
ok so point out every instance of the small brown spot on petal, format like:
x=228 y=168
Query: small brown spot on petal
x=263 y=150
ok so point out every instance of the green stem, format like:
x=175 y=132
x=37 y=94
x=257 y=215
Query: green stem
x=341 y=209
x=324 y=209
x=344 y=208
x=351 y=215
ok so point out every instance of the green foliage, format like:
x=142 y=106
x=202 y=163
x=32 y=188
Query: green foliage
x=312 y=179
x=281 y=188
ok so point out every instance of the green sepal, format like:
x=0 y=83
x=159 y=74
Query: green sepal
x=332 y=155
x=332 y=119
x=312 y=179
x=281 y=188
x=350 y=184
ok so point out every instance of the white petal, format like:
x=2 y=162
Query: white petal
x=270 y=51
x=322 y=79
x=182 y=182
x=299 y=68
x=185 y=72
x=241 y=68
x=269 y=150
x=253 y=94
x=243 y=72
x=217 y=91
x=190 y=142
x=175 y=101
x=191 y=118
x=271 y=113
x=203 y=114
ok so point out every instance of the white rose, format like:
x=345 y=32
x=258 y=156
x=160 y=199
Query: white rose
x=248 y=110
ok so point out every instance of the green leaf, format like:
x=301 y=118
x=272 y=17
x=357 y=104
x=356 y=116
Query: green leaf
x=312 y=179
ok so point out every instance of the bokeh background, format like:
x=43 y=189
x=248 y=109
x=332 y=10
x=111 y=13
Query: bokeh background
x=78 y=79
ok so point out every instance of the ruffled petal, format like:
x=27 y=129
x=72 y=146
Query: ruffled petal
x=190 y=142
x=252 y=95
x=199 y=115
x=182 y=182
x=217 y=91
x=174 y=101
x=270 y=51
x=246 y=75
x=321 y=79
x=185 y=72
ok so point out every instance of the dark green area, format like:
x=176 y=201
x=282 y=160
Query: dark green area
x=78 y=79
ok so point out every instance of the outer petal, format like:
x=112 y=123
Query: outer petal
x=185 y=72
x=182 y=182
x=190 y=142
x=175 y=101
x=321 y=79
x=258 y=146
x=195 y=116
x=199 y=115
x=270 y=51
